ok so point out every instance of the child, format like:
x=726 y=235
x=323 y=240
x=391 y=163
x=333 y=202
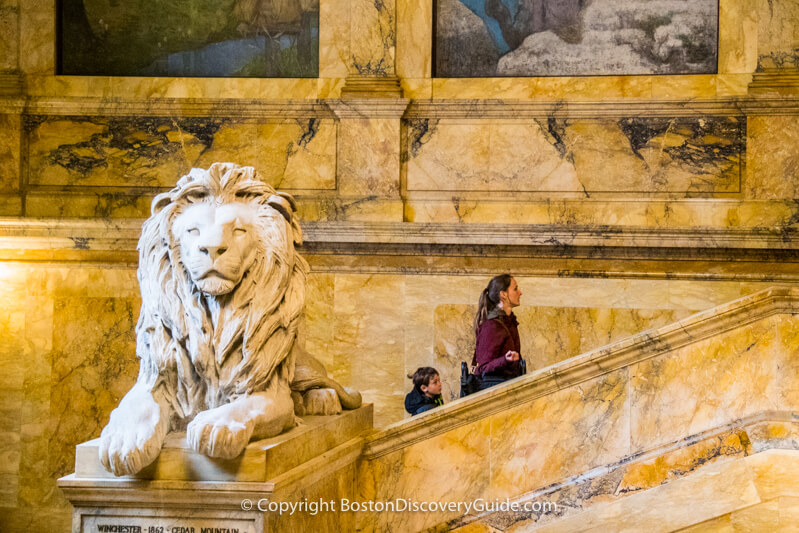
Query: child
x=426 y=393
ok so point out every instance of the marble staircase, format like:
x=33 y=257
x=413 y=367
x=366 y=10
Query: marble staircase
x=691 y=425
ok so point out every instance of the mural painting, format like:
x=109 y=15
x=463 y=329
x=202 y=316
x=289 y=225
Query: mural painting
x=238 y=38
x=479 y=38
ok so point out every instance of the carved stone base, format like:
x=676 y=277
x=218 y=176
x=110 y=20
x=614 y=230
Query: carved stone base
x=361 y=87
x=10 y=84
x=186 y=492
x=162 y=506
x=775 y=81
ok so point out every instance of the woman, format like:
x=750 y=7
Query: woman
x=496 y=353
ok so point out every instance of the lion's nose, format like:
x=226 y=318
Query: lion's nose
x=213 y=251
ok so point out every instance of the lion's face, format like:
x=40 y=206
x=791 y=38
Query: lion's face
x=217 y=244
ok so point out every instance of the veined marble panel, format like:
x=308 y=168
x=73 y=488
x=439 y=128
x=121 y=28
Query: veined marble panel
x=373 y=37
x=100 y=204
x=776 y=36
x=738 y=30
x=334 y=39
x=631 y=476
x=12 y=375
x=65 y=366
x=316 y=329
x=561 y=434
x=37 y=38
x=10 y=151
x=593 y=88
x=368 y=341
x=636 y=155
x=670 y=394
x=415 y=473
x=368 y=157
x=299 y=155
x=772 y=167
x=336 y=487
x=414 y=39
x=9 y=35
x=359 y=208
x=94 y=364
x=154 y=152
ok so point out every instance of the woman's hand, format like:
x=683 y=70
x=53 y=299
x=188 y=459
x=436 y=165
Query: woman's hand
x=512 y=356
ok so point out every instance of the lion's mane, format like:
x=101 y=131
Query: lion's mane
x=202 y=351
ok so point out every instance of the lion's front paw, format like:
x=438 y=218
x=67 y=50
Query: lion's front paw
x=217 y=434
x=129 y=442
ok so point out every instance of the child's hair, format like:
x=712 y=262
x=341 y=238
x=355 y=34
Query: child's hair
x=422 y=376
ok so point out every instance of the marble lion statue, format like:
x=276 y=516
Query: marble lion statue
x=222 y=292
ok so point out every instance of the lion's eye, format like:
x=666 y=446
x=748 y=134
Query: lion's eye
x=238 y=232
x=195 y=197
x=193 y=231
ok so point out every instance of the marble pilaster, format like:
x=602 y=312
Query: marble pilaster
x=10 y=152
x=777 y=70
x=9 y=36
x=368 y=155
x=373 y=37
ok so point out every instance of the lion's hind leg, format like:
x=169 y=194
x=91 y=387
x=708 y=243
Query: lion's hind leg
x=226 y=430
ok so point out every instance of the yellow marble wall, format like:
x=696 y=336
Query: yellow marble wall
x=371 y=330
x=478 y=166
x=100 y=147
x=772 y=163
x=68 y=356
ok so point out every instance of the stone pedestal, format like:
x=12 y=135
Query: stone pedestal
x=187 y=492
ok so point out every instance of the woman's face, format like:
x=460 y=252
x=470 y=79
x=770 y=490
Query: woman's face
x=512 y=296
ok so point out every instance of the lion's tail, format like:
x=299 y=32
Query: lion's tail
x=349 y=397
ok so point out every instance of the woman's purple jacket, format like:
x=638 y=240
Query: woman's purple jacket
x=495 y=337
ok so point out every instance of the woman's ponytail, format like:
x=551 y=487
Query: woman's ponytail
x=482 y=310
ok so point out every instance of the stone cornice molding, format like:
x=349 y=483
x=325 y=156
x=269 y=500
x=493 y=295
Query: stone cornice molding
x=123 y=235
x=365 y=108
x=11 y=105
x=91 y=492
x=547 y=235
x=184 y=107
x=396 y=107
x=584 y=367
x=620 y=108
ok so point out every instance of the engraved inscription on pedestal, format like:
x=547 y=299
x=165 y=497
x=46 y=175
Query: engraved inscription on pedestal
x=166 y=524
